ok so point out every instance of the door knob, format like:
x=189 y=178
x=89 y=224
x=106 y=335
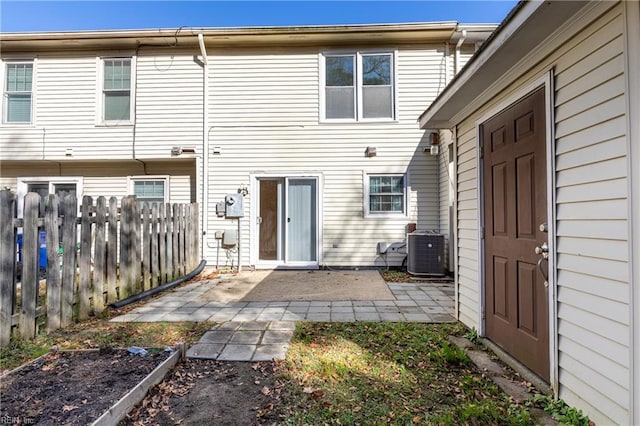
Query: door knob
x=543 y=250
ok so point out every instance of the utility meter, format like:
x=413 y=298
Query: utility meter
x=234 y=206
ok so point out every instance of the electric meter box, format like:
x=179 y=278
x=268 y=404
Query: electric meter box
x=234 y=206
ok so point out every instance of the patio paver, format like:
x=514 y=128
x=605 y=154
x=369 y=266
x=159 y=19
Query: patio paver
x=262 y=331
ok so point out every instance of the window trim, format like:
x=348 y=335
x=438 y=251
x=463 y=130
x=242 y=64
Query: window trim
x=165 y=178
x=367 y=194
x=3 y=104
x=24 y=182
x=100 y=121
x=358 y=85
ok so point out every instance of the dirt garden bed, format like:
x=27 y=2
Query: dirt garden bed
x=73 y=388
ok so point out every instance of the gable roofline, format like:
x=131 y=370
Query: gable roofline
x=526 y=25
x=332 y=35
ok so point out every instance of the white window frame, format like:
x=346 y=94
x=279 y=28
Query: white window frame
x=100 y=121
x=358 y=101
x=367 y=194
x=132 y=179
x=24 y=182
x=3 y=77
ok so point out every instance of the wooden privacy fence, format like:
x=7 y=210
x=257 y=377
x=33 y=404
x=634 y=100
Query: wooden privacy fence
x=67 y=267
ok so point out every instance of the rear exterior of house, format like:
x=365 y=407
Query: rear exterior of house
x=545 y=122
x=311 y=129
x=98 y=122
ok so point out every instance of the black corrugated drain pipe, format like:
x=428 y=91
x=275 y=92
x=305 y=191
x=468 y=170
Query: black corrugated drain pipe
x=160 y=288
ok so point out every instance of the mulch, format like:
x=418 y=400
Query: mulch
x=72 y=388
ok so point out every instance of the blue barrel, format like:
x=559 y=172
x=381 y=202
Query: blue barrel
x=19 y=247
x=42 y=237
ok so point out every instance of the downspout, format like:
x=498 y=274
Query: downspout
x=458 y=46
x=446 y=63
x=205 y=143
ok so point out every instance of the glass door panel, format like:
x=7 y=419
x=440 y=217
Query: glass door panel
x=301 y=220
x=269 y=219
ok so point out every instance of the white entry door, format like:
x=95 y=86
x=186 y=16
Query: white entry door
x=287 y=222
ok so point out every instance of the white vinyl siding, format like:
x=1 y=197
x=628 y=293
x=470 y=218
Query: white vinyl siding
x=592 y=241
x=591 y=172
x=68 y=105
x=265 y=120
x=18 y=92
x=107 y=179
x=169 y=104
x=467 y=226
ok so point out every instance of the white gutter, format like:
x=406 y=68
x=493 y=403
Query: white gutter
x=205 y=143
x=458 y=46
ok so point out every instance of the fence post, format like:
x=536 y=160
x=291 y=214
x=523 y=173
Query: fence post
x=99 y=254
x=146 y=244
x=126 y=252
x=7 y=263
x=169 y=223
x=112 y=251
x=162 y=243
x=195 y=233
x=137 y=245
x=30 y=270
x=176 y=242
x=84 y=286
x=187 y=238
x=69 y=231
x=181 y=232
x=54 y=291
x=154 y=245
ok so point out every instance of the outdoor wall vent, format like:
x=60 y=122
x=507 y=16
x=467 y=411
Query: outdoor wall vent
x=179 y=150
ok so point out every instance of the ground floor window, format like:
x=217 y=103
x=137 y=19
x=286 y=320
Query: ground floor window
x=150 y=190
x=61 y=186
x=385 y=194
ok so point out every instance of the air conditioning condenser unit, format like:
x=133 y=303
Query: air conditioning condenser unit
x=425 y=253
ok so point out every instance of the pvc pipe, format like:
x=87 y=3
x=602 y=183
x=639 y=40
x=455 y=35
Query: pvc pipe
x=160 y=288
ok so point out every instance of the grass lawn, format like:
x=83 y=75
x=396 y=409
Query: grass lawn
x=335 y=373
x=388 y=373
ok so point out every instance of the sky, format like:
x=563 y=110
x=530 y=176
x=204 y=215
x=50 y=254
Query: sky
x=50 y=15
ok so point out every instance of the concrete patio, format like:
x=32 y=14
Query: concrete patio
x=262 y=330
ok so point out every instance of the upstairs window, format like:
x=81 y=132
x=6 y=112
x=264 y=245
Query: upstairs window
x=18 y=92
x=358 y=86
x=116 y=90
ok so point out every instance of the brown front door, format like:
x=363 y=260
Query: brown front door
x=515 y=205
